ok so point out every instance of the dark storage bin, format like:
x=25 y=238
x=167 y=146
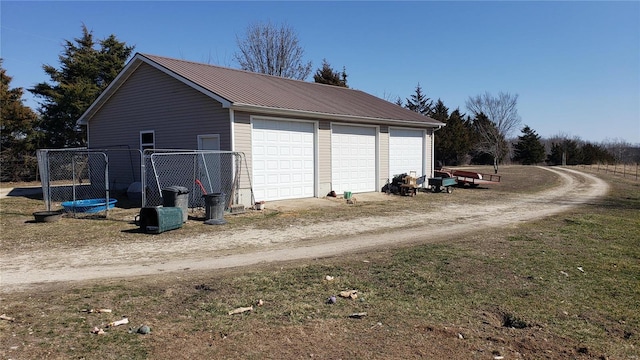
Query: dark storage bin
x=177 y=196
x=214 y=208
x=155 y=220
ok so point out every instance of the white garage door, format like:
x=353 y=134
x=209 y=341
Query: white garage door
x=353 y=158
x=406 y=151
x=283 y=159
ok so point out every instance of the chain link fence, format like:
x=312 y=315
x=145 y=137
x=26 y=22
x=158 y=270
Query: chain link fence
x=85 y=181
x=200 y=172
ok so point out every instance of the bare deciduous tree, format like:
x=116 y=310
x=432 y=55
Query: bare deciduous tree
x=273 y=50
x=502 y=113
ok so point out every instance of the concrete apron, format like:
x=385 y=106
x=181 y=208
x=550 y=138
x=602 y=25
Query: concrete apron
x=325 y=202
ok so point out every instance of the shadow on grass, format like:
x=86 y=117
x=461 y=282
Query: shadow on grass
x=136 y=230
x=27 y=192
x=621 y=202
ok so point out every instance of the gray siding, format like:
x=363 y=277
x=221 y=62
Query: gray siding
x=151 y=100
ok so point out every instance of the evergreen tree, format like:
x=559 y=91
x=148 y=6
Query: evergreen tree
x=529 y=150
x=16 y=132
x=84 y=73
x=440 y=112
x=565 y=152
x=419 y=102
x=326 y=75
x=596 y=154
x=453 y=142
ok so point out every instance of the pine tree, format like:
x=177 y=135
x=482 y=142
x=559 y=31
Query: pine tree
x=16 y=132
x=454 y=141
x=419 y=102
x=84 y=73
x=440 y=112
x=326 y=75
x=596 y=154
x=565 y=152
x=529 y=150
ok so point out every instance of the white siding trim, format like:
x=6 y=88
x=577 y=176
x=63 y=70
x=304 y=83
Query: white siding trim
x=208 y=136
x=232 y=130
x=316 y=159
x=153 y=145
x=433 y=151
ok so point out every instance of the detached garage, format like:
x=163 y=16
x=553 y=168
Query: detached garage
x=299 y=139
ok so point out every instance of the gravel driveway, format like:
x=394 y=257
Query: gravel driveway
x=231 y=249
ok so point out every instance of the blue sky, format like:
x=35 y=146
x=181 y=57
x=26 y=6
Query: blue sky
x=574 y=65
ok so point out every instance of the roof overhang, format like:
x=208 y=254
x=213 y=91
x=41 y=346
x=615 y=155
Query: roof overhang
x=126 y=72
x=339 y=117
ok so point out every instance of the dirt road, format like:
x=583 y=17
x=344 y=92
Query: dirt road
x=296 y=242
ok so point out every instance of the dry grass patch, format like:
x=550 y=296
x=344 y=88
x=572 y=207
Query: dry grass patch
x=559 y=288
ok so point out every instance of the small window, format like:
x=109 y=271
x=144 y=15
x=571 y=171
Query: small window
x=147 y=140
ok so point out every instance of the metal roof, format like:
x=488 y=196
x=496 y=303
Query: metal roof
x=244 y=90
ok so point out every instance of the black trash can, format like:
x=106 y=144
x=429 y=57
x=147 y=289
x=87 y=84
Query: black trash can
x=214 y=208
x=177 y=196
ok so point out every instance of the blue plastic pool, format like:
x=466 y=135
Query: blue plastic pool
x=88 y=205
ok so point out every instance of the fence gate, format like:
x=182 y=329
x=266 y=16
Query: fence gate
x=200 y=171
x=80 y=177
x=73 y=175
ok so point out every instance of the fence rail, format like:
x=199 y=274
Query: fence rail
x=631 y=171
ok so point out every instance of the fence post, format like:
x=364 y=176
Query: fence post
x=143 y=178
x=106 y=184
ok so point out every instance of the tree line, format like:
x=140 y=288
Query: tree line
x=485 y=136
x=87 y=66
